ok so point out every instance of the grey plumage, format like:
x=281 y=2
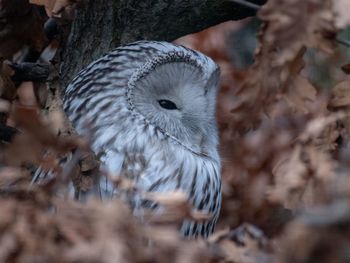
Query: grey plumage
x=149 y=109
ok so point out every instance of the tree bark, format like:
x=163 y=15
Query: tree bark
x=105 y=24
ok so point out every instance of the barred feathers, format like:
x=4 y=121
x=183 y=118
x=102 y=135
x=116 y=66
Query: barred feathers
x=116 y=101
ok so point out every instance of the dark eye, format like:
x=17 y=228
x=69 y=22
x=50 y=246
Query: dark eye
x=167 y=104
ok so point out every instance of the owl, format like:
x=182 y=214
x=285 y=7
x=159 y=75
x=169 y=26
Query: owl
x=149 y=110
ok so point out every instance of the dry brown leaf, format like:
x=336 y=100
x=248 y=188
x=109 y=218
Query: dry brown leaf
x=295 y=24
x=177 y=198
x=232 y=252
x=49 y=5
x=301 y=176
x=346 y=68
x=300 y=94
x=340 y=95
x=23 y=150
x=245 y=244
x=290 y=178
x=55 y=8
x=37 y=140
x=5 y=106
x=328 y=139
x=176 y=208
x=26 y=95
x=57 y=120
x=35 y=226
x=122 y=183
x=23 y=26
x=323 y=166
x=60 y=5
x=10 y=176
x=29 y=119
x=288 y=27
x=318 y=125
x=316 y=235
x=341 y=15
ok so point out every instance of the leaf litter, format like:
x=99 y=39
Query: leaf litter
x=284 y=144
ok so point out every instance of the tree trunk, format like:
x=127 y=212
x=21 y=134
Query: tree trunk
x=105 y=24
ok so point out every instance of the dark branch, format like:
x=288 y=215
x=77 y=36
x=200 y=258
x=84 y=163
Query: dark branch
x=103 y=25
x=30 y=72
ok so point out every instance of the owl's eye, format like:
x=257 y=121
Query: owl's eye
x=167 y=104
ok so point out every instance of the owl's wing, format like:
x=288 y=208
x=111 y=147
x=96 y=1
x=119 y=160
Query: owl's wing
x=111 y=163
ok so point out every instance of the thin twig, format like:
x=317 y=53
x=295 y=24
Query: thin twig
x=342 y=42
x=30 y=71
x=247 y=4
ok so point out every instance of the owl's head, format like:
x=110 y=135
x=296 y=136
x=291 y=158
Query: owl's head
x=177 y=95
